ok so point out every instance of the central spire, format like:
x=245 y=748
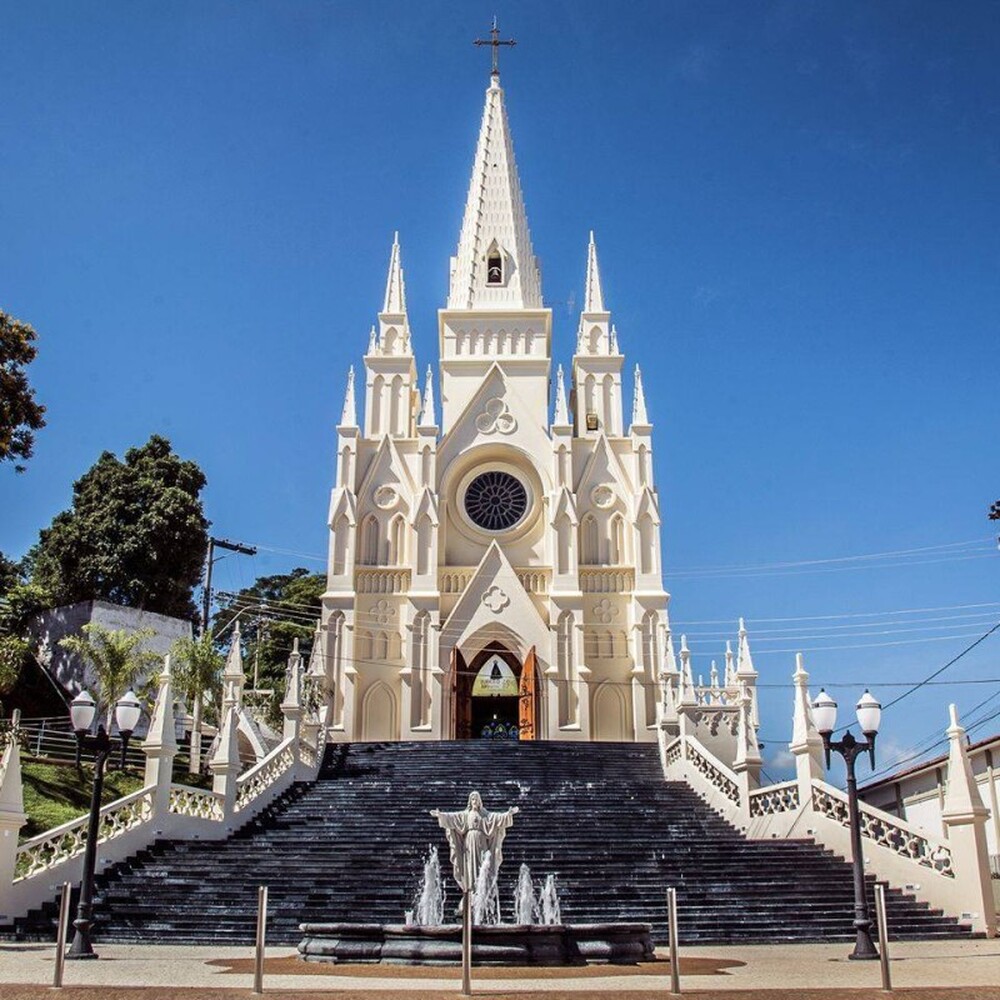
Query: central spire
x=495 y=267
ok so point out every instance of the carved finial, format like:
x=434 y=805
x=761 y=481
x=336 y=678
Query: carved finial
x=613 y=340
x=372 y=345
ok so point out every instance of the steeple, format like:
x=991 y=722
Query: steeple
x=395 y=289
x=495 y=267
x=593 y=297
x=393 y=323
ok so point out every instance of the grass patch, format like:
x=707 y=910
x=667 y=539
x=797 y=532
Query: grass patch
x=57 y=793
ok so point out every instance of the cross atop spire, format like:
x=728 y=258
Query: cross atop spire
x=494 y=42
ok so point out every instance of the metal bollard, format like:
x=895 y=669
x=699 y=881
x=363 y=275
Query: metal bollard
x=883 y=936
x=675 y=971
x=62 y=928
x=258 y=971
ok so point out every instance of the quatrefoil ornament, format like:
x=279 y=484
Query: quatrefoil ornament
x=495 y=599
x=496 y=418
x=382 y=612
x=605 y=612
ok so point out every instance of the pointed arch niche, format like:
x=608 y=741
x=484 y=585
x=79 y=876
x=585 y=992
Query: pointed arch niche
x=609 y=713
x=569 y=695
x=420 y=694
x=379 y=719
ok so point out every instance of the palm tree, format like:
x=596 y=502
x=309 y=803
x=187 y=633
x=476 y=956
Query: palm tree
x=116 y=657
x=200 y=665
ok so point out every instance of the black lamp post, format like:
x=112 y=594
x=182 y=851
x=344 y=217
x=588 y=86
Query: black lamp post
x=869 y=715
x=82 y=711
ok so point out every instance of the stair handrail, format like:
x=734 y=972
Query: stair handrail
x=255 y=781
x=783 y=796
x=199 y=803
x=52 y=847
x=697 y=761
x=890 y=832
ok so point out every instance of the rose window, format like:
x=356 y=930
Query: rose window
x=495 y=500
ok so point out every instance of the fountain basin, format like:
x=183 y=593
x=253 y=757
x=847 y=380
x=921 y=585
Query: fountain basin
x=498 y=944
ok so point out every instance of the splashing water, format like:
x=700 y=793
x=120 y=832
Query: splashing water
x=428 y=906
x=525 y=904
x=549 y=902
x=486 y=898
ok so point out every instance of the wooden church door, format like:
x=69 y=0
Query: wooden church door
x=461 y=697
x=528 y=704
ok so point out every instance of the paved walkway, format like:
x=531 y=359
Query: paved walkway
x=956 y=970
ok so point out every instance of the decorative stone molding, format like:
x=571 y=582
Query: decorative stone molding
x=605 y=612
x=385 y=497
x=602 y=496
x=383 y=612
x=496 y=599
x=496 y=418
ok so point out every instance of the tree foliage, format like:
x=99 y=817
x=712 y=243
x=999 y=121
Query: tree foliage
x=20 y=414
x=117 y=658
x=273 y=612
x=136 y=534
x=995 y=511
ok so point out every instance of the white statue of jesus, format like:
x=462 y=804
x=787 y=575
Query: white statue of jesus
x=471 y=834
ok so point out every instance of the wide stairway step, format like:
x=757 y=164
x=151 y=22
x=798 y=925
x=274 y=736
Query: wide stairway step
x=599 y=816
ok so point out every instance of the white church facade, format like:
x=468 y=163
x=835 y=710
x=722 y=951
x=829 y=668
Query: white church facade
x=495 y=564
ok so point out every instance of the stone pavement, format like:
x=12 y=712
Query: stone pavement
x=956 y=970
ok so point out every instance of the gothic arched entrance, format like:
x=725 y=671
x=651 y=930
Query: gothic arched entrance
x=494 y=695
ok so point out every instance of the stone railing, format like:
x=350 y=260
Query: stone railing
x=381 y=580
x=893 y=849
x=893 y=834
x=775 y=799
x=54 y=847
x=606 y=580
x=686 y=759
x=253 y=783
x=198 y=803
x=454 y=579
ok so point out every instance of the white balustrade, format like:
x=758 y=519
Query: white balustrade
x=198 y=803
x=253 y=783
x=885 y=830
x=774 y=799
x=69 y=840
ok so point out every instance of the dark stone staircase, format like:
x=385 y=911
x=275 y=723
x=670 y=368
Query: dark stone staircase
x=350 y=847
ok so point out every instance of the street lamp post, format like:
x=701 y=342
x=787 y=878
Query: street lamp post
x=869 y=713
x=82 y=711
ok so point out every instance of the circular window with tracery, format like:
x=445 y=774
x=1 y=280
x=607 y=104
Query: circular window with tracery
x=495 y=500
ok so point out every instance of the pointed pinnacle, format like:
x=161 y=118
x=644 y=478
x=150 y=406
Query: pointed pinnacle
x=562 y=412
x=349 y=418
x=593 y=298
x=427 y=410
x=639 y=416
x=395 y=289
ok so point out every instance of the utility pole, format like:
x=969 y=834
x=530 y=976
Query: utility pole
x=213 y=544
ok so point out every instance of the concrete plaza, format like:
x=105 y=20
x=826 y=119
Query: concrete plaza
x=952 y=969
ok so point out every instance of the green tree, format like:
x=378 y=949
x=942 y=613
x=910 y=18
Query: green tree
x=199 y=669
x=117 y=658
x=136 y=534
x=19 y=603
x=273 y=612
x=20 y=414
x=995 y=511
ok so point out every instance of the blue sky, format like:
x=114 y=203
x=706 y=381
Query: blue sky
x=796 y=210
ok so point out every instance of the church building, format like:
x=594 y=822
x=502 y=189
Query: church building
x=494 y=565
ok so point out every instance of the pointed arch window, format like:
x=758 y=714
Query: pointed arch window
x=369 y=541
x=590 y=541
x=494 y=265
